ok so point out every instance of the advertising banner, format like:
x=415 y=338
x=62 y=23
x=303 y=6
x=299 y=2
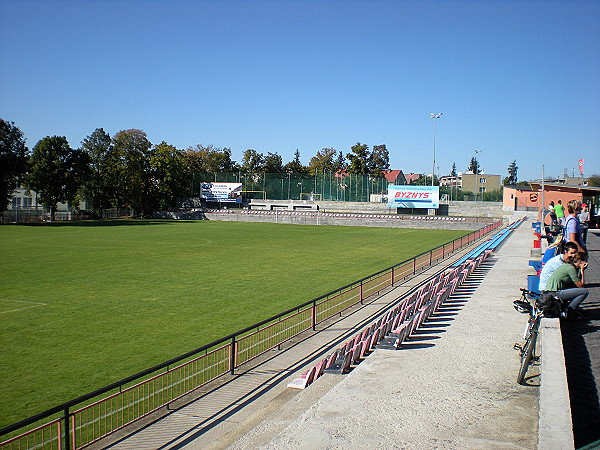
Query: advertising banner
x=221 y=192
x=413 y=196
x=581 y=166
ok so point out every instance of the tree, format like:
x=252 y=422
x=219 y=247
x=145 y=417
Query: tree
x=322 y=162
x=474 y=166
x=209 y=159
x=56 y=171
x=252 y=161
x=426 y=181
x=295 y=166
x=273 y=163
x=379 y=160
x=97 y=189
x=594 y=180
x=168 y=180
x=453 y=171
x=13 y=160
x=359 y=159
x=340 y=162
x=130 y=169
x=511 y=179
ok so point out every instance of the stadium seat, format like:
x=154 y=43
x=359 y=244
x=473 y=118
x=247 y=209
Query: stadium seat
x=304 y=380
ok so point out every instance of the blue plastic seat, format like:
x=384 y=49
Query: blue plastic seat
x=549 y=254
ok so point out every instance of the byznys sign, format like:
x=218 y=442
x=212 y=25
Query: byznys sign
x=221 y=192
x=413 y=196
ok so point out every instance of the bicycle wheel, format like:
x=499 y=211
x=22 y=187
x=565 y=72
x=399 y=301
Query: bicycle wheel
x=526 y=356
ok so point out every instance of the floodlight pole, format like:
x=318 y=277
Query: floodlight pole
x=434 y=117
x=477 y=176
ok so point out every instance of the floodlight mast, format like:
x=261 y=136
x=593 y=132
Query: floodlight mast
x=476 y=172
x=434 y=117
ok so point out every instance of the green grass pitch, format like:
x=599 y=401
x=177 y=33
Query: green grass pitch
x=84 y=305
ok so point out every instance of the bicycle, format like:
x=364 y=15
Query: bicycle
x=527 y=349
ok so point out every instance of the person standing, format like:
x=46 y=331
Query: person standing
x=559 y=210
x=551 y=212
x=584 y=221
x=572 y=230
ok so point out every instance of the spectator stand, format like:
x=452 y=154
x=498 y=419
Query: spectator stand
x=402 y=320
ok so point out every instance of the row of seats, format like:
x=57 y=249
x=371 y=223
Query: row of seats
x=492 y=243
x=395 y=326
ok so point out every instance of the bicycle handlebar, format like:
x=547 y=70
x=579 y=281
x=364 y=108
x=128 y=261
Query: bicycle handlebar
x=528 y=292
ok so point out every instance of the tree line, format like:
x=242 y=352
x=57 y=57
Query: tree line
x=127 y=170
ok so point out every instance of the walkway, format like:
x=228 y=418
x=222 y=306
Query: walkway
x=453 y=385
x=581 y=342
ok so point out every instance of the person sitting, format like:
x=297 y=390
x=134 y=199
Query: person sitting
x=570 y=251
x=567 y=282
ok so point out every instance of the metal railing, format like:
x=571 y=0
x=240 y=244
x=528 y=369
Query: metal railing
x=86 y=419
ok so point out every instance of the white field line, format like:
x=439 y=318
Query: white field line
x=31 y=304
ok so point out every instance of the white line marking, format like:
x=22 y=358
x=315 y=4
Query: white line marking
x=21 y=301
x=33 y=304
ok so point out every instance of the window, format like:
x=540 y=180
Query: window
x=27 y=202
x=482 y=180
x=16 y=202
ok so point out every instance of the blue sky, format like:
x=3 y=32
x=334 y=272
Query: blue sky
x=519 y=80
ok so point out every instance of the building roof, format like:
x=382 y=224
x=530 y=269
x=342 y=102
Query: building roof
x=519 y=187
x=392 y=175
x=585 y=190
x=410 y=177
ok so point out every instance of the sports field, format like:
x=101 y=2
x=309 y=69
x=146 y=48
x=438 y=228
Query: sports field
x=83 y=305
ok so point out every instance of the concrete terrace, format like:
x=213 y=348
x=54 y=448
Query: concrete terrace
x=451 y=385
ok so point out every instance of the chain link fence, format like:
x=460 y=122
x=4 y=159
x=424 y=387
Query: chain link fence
x=327 y=186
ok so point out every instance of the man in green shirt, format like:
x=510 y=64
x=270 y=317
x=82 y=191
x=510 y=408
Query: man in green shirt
x=568 y=282
x=559 y=209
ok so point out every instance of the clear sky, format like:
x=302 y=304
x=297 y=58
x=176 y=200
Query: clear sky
x=519 y=80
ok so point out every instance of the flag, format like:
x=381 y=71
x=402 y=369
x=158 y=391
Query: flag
x=581 y=166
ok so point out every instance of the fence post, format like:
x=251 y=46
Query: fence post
x=232 y=356
x=68 y=430
x=314 y=316
x=361 y=292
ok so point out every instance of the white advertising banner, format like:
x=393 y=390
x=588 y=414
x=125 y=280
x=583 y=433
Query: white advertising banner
x=221 y=192
x=413 y=196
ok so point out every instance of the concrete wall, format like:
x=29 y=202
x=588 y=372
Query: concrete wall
x=321 y=218
x=477 y=209
x=455 y=209
x=461 y=215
